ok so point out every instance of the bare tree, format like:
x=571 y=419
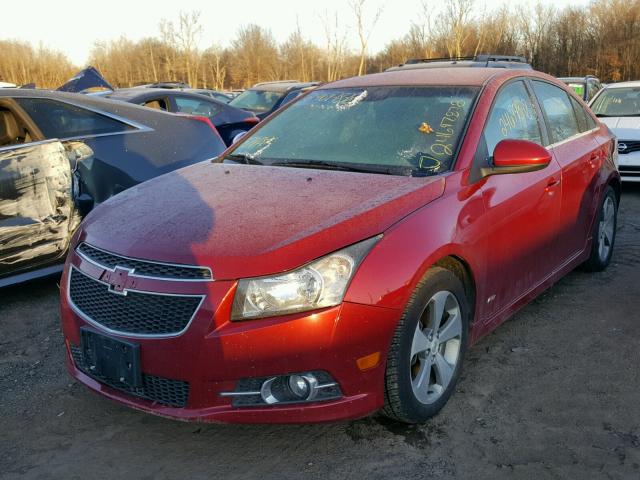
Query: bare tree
x=454 y=25
x=336 y=45
x=365 y=29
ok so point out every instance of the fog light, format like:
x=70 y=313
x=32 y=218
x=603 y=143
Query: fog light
x=285 y=389
x=299 y=386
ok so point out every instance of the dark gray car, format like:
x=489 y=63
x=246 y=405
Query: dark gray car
x=63 y=153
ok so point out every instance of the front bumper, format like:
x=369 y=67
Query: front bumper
x=212 y=354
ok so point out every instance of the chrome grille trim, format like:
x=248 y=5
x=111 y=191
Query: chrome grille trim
x=85 y=256
x=106 y=329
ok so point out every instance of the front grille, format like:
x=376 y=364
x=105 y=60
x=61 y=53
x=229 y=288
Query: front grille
x=136 y=312
x=632 y=146
x=173 y=393
x=144 y=267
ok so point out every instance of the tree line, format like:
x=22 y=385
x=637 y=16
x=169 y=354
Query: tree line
x=601 y=38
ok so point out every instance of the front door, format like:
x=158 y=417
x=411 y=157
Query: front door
x=522 y=209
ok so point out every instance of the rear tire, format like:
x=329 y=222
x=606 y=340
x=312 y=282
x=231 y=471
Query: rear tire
x=604 y=233
x=428 y=348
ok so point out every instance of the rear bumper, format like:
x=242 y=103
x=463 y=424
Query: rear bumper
x=214 y=353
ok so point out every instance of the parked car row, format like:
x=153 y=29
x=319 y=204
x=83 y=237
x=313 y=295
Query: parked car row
x=338 y=258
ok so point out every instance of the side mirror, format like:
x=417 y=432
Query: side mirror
x=517 y=156
x=237 y=138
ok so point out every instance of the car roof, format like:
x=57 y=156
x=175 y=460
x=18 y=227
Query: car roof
x=112 y=106
x=634 y=83
x=434 y=76
x=283 y=86
x=577 y=79
x=477 y=61
x=146 y=92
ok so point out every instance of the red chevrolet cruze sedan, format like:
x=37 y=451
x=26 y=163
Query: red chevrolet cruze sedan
x=343 y=256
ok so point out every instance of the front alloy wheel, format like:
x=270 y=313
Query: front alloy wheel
x=435 y=349
x=427 y=350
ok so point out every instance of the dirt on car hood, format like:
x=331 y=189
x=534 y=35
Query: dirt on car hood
x=245 y=220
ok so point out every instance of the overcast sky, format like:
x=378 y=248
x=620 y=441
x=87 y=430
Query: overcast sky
x=72 y=26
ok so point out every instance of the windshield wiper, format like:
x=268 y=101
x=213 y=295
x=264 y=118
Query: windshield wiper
x=343 y=166
x=246 y=158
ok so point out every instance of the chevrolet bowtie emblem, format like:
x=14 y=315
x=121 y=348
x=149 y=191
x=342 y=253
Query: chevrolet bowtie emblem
x=119 y=279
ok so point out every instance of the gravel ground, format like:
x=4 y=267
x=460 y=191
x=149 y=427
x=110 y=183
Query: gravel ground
x=552 y=394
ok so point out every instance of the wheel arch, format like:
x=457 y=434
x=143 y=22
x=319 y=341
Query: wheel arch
x=616 y=184
x=462 y=270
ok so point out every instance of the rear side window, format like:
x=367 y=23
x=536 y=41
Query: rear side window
x=512 y=116
x=593 y=88
x=557 y=107
x=194 y=106
x=62 y=120
x=156 y=104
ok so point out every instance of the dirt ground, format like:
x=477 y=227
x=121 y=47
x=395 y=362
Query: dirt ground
x=554 y=393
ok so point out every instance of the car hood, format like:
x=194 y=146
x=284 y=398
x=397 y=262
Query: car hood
x=625 y=128
x=247 y=220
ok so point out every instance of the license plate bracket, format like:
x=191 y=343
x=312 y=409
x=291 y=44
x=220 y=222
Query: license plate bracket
x=113 y=360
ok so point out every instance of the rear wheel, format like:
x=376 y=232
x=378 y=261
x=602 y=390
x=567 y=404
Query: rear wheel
x=425 y=358
x=604 y=234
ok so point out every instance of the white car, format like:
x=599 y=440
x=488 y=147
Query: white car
x=7 y=85
x=618 y=106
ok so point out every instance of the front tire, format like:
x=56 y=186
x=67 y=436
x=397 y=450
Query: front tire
x=427 y=350
x=604 y=234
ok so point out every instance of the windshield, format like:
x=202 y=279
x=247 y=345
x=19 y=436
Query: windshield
x=617 y=102
x=406 y=130
x=257 y=100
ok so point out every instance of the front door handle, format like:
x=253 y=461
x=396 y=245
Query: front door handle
x=552 y=182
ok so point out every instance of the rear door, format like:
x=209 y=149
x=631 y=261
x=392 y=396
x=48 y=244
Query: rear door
x=522 y=209
x=575 y=148
x=36 y=205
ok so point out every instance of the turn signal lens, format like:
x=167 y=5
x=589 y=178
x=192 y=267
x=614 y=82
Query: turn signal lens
x=370 y=361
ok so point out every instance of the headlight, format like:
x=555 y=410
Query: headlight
x=321 y=283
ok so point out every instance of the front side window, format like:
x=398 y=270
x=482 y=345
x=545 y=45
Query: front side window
x=193 y=106
x=258 y=101
x=618 y=102
x=396 y=130
x=557 y=107
x=513 y=116
x=62 y=120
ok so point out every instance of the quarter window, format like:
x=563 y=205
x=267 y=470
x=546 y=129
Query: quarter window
x=513 y=116
x=557 y=107
x=63 y=120
x=585 y=122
